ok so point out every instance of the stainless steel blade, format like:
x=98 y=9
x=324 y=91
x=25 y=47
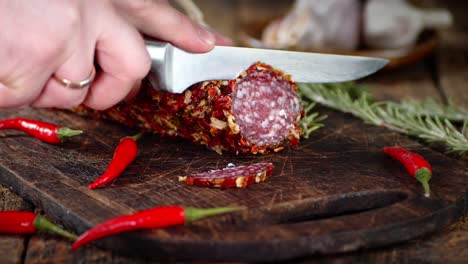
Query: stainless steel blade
x=180 y=69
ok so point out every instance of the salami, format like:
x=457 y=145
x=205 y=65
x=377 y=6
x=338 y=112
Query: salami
x=231 y=176
x=258 y=112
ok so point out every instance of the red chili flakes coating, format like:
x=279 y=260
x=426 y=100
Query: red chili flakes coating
x=255 y=113
x=235 y=176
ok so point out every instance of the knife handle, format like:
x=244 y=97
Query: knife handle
x=156 y=49
x=160 y=53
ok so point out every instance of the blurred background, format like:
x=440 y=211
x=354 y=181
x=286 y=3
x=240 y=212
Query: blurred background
x=404 y=31
x=428 y=51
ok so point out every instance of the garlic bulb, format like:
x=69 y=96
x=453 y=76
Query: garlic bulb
x=397 y=24
x=317 y=24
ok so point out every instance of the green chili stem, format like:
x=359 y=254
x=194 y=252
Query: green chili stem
x=42 y=224
x=423 y=175
x=193 y=214
x=137 y=136
x=66 y=132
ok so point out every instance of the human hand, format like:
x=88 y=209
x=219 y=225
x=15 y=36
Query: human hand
x=156 y=18
x=44 y=38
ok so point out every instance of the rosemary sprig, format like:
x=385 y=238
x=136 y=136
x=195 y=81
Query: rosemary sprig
x=311 y=120
x=426 y=119
x=429 y=107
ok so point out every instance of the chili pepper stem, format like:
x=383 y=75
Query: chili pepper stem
x=66 y=132
x=137 y=136
x=193 y=214
x=42 y=224
x=423 y=175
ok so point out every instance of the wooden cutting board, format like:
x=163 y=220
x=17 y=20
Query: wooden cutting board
x=336 y=192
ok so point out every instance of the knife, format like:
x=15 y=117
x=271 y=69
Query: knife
x=177 y=69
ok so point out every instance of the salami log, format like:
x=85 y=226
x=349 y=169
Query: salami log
x=231 y=176
x=258 y=112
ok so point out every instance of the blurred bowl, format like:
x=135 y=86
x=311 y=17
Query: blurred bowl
x=250 y=36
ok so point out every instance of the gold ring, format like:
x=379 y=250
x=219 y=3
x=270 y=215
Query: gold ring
x=77 y=85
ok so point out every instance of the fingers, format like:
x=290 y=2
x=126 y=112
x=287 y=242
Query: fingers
x=158 y=19
x=134 y=91
x=94 y=31
x=222 y=40
x=11 y=98
x=107 y=91
x=77 y=68
x=27 y=68
x=124 y=62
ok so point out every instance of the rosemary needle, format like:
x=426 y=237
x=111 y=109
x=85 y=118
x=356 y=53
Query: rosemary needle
x=425 y=119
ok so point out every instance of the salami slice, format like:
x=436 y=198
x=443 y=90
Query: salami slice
x=231 y=176
x=258 y=112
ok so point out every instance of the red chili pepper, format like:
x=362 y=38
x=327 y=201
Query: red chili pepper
x=416 y=165
x=124 y=155
x=23 y=222
x=46 y=132
x=157 y=217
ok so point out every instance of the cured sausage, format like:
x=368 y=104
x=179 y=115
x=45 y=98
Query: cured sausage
x=258 y=112
x=231 y=176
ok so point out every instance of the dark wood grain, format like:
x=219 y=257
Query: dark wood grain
x=46 y=249
x=445 y=246
x=337 y=192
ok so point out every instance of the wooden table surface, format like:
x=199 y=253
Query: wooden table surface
x=441 y=76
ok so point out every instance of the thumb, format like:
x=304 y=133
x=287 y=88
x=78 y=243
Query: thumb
x=160 y=20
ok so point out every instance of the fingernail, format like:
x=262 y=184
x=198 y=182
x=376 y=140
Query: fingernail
x=220 y=39
x=206 y=36
x=224 y=41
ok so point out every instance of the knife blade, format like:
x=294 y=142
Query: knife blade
x=177 y=69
